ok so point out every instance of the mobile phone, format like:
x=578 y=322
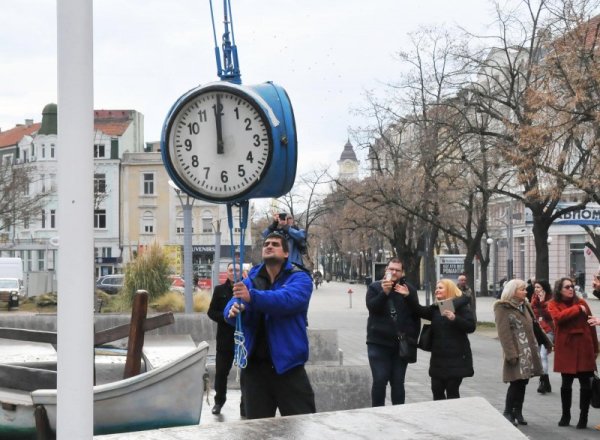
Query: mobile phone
x=388 y=276
x=402 y=281
x=446 y=304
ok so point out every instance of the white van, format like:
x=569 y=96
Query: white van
x=12 y=269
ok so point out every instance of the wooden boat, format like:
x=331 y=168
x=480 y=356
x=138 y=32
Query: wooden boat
x=170 y=395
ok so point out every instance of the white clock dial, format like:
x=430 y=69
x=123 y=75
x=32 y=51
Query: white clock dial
x=220 y=143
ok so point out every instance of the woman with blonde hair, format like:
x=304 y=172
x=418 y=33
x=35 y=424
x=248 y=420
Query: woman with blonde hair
x=514 y=322
x=451 y=359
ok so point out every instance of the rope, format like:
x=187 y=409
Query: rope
x=240 y=359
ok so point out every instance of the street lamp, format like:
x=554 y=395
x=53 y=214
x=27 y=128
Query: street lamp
x=187 y=203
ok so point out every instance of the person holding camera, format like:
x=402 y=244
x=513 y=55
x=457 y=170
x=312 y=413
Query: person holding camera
x=390 y=318
x=451 y=320
x=283 y=224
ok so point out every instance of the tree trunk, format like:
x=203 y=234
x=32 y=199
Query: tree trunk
x=542 y=262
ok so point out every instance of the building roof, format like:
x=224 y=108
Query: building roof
x=12 y=137
x=348 y=153
x=113 y=122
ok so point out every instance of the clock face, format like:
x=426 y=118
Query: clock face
x=219 y=143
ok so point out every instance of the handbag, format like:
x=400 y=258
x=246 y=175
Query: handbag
x=407 y=345
x=595 y=401
x=426 y=338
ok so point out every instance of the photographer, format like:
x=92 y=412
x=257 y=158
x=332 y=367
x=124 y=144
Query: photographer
x=283 y=224
x=389 y=317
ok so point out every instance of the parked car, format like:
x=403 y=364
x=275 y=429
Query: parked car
x=110 y=284
x=9 y=292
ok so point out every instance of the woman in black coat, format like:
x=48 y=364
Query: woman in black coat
x=451 y=358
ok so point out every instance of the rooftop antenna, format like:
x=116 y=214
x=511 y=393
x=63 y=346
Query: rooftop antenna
x=230 y=69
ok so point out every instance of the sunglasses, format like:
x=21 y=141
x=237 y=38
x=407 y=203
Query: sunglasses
x=570 y=286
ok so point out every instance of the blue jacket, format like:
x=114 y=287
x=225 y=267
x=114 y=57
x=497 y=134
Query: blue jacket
x=285 y=306
x=296 y=239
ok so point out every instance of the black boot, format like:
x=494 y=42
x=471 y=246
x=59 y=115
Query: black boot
x=542 y=386
x=518 y=414
x=547 y=383
x=508 y=408
x=585 y=394
x=565 y=399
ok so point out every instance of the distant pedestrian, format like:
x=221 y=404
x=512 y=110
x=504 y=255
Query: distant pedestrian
x=389 y=317
x=575 y=349
x=542 y=294
x=514 y=321
x=596 y=285
x=451 y=359
x=463 y=285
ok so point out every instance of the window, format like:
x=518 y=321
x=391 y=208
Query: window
x=148 y=179
x=43 y=182
x=8 y=159
x=53 y=218
x=26 y=222
x=100 y=183
x=28 y=262
x=52 y=182
x=43 y=219
x=43 y=151
x=41 y=260
x=207 y=221
x=51 y=150
x=106 y=252
x=179 y=223
x=148 y=223
x=100 y=219
x=99 y=150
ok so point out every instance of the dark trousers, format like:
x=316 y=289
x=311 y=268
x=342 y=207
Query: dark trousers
x=585 y=379
x=386 y=366
x=265 y=391
x=445 y=388
x=223 y=363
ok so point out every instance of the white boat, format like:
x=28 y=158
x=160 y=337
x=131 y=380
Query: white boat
x=170 y=395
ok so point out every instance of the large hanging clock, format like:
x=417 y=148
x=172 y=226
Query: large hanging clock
x=220 y=140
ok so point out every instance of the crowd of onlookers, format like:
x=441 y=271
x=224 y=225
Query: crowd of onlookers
x=532 y=319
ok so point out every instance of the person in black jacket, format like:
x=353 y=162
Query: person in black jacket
x=389 y=316
x=225 y=344
x=451 y=359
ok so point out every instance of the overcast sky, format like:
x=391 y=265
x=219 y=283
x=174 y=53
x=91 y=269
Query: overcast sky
x=147 y=53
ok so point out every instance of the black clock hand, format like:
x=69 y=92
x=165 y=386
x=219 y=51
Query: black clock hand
x=218 y=110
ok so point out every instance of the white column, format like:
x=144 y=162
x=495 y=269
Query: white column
x=75 y=220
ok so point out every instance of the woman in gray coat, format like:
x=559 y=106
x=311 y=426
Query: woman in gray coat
x=514 y=322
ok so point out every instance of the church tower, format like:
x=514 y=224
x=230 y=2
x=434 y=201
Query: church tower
x=348 y=163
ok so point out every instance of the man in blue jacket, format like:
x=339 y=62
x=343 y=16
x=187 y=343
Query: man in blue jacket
x=274 y=303
x=296 y=238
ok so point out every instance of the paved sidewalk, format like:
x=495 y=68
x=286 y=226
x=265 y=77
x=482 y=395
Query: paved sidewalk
x=330 y=308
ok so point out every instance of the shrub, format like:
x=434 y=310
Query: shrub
x=150 y=272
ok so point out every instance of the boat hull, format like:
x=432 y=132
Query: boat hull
x=170 y=395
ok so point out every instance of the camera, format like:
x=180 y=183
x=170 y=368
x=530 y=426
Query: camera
x=282 y=216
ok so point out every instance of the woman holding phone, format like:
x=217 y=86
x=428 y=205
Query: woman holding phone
x=451 y=320
x=575 y=350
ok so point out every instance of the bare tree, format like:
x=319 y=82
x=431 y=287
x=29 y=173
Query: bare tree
x=19 y=202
